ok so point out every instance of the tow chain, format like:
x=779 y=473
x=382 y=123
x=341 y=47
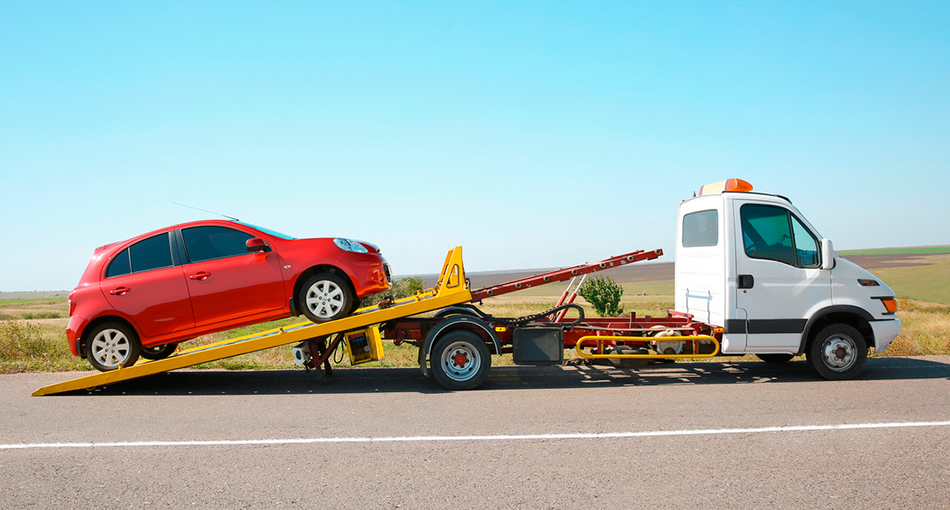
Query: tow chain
x=532 y=318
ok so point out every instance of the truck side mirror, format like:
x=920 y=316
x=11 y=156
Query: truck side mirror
x=827 y=254
x=256 y=245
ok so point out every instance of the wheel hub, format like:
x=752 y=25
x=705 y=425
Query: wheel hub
x=459 y=359
x=839 y=353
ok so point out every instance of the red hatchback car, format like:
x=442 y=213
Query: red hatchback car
x=144 y=295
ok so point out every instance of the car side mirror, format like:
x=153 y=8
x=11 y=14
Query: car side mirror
x=257 y=245
x=827 y=254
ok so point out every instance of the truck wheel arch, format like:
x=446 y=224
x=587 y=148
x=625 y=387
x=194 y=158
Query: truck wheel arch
x=853 y=316
x=452 y=323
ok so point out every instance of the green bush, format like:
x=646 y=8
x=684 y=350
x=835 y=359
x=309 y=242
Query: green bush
x=402 y=288
x=603 y=294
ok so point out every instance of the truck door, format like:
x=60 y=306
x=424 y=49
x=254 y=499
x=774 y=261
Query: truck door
x=778 y=277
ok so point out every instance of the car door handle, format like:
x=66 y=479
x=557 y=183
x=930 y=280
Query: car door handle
x=200 y=275
x=119 y=291
x=746 y=281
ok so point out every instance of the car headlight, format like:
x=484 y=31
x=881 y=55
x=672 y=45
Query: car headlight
x=350 y=245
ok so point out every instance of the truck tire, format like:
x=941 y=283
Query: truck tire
x=775 y=359
x=460 y=360
x=838 y=352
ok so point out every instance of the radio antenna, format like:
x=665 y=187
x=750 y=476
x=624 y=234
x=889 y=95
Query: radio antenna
x=207 y=211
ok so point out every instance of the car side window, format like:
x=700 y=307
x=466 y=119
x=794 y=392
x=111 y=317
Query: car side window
x=151 y=253
x=120 y=265
x=213 y=242
x=774 y=233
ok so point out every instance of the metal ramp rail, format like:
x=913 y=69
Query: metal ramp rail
x=451 y=289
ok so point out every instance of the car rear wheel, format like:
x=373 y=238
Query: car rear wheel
x=325 y=297
x=159 y=351
x=112 y=345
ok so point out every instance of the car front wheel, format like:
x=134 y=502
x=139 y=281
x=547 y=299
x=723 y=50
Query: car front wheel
x=111 y=346
x=159 y=351
x=325 y=297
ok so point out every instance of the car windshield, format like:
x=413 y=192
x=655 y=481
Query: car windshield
x=267 y=231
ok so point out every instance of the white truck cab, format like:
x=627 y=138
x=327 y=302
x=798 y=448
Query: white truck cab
x=751 y=264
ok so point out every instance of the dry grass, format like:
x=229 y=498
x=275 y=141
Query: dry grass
x=11 y=309
x=926 y=329
x=40 y=345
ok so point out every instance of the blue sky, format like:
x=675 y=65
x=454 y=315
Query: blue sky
x=532 y=134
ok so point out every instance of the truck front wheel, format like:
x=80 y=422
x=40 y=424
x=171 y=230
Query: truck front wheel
x=460 y=360
x=838 y=352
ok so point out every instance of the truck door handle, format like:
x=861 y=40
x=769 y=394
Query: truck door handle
x=746 y=281
x=119 y=291
x=200 y=275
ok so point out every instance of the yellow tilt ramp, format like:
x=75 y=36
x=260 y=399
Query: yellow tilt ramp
x=451 y=289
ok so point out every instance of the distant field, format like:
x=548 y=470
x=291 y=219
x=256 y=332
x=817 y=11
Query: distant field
x=897 y=251
x=32 y=325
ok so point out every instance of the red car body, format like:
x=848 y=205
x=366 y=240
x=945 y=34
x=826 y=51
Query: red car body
x=171 y=284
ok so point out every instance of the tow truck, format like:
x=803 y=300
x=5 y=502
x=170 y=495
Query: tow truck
x=752 y=276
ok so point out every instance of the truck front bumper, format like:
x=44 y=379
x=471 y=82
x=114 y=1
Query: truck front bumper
x=885 y=332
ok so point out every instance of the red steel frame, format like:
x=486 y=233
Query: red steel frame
x=414 y=329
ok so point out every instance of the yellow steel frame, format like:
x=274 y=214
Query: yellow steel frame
x=601 y=340
x=451 y=289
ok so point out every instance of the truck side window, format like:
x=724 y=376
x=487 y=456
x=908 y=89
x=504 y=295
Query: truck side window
x=773 y=233
x=806 y=246
x=701 y=228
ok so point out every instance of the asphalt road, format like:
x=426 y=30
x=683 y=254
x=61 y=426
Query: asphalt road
x=710 y=435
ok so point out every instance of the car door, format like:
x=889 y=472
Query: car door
x=144 y=282
x=779 y=276
x=225 y=281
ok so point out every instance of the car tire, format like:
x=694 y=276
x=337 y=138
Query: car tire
x=775 y=359
x=325 y=297
x=159 y=351
x=112 y=345
x=460 y=360
x=838 y=352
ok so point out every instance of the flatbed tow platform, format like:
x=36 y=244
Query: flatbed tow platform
x=452 y=289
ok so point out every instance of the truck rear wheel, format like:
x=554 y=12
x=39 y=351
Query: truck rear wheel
x=838 y=352
x=460 y=360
